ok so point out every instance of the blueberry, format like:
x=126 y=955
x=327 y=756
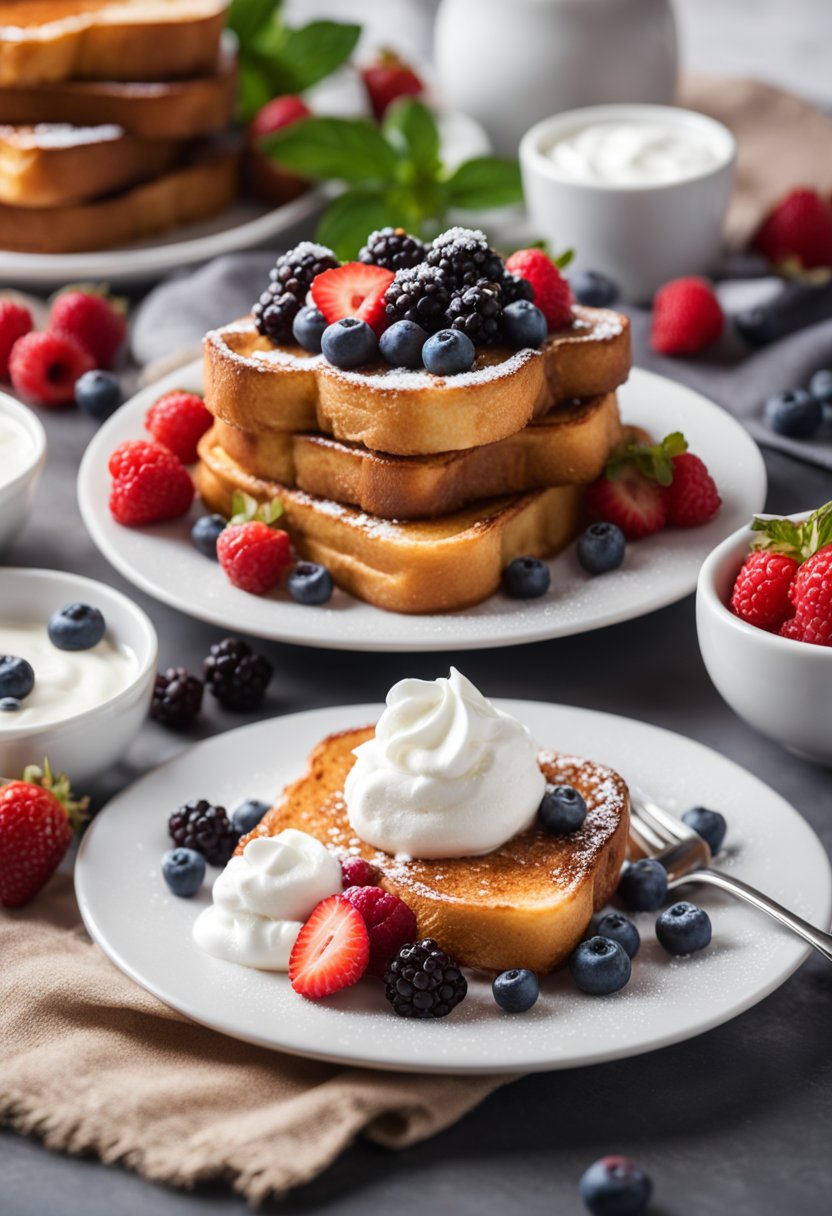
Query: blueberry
x=600 y=966
x=683 y=928
x=516 y=991
x=601 y=548
x=247 y=815
x=76 y=627
x=10 y=705
x=183 y=870
x=562 y=810
x=448 y=353
x=309 y=583
x=98 y=394
x=615 y=1186
x=643 y=885
x=524 y=324
x=820 y=386
x=17 y=678
x=526 y=578
x=401 y=344
x=710 y=825
x=349 y=343
x=594 y=289
x=206 y=532
x=618 y=928
x=308 y=329
x=757 y=326
x=795 y=413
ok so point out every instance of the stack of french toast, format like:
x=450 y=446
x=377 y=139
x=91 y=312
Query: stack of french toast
x=415 y=489
x=115 y=120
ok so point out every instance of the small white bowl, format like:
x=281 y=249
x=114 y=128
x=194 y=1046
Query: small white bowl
x=781 y=687
x=641 y=235
x=90 y=741
x=16 y=494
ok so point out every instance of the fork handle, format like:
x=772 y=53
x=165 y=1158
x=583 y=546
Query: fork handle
x=822 y=942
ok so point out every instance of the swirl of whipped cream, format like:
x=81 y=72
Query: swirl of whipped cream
x=262 y=898
x=446 y=775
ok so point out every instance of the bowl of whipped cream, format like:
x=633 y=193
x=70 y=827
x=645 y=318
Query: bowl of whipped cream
x=22 y=457
x=639 y=192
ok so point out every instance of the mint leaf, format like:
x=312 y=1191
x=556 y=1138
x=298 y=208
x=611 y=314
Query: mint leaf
x=563 y=259
x=351 y=150
x=348 y=219
x=485 y=181
x=255 y=87
x=652 y=460
x=248 y=17
x=411 y=128
x=800 y=539
x=310 y=53
x=244 y=509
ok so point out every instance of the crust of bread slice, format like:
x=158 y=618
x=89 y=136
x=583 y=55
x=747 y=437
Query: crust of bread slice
x=527 y=904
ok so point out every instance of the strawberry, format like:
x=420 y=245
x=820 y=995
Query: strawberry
x=44 y=367
x=687 y=317
x=388 y=78
x=811 y=594
x=270 y=182
x=353 y=290
x=94 y=320
x=254 y=556
x=278 y=113
x=552 y=293
x=178 y=420
x=149 y=484
x=332 y=949
x=693 y=497
x=37 y=819
x=761 y=589
x=798 y=231
x=390 y=923
x=15 y=321
x=356 y=872
x=634 y=491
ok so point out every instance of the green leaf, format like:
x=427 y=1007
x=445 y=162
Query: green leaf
x=348 y=219
x=411 y=127
x=244 y=509
x=652 y=460
x=800 y=539
x=563 y=259
x=310 y=53
x=255 y=88
x=485 y=181
x=349 y=149
x=248 y=17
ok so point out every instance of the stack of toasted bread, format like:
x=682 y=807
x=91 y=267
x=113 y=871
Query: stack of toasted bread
x=416 y=490
x=115 y=118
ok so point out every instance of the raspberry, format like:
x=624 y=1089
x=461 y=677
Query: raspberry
x=93 y=320
x=356 y=872
x=254 y=556
x=687 y=317
x=798 y=229
x=149 y=484
x=390 y=923
x=178 y=420
x=44 y=367
x=177 y=698
x=15 y=321
x=693 y=498
x=790 y=629
x=761 y=590
x=236 y=676
x=552 y=293
x=811 y=594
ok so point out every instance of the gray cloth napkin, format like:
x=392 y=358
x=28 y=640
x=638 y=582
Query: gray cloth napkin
x=172 y=319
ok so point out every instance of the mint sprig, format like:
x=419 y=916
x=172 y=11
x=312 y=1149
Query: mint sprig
x=244 y=509
x=800 y=539
x=653 y=460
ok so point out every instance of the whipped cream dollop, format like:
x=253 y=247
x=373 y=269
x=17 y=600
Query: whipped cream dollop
x=447 y=774
x=634 y=153
x=262 y=898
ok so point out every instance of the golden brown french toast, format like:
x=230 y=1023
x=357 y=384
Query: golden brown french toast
x=527 y=904
x=256 y=386
x=414 y=566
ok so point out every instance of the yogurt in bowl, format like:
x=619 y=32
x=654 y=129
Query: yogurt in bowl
x=22 y=457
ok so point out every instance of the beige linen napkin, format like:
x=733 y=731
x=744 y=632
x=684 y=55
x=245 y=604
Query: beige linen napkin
x=92 y=1063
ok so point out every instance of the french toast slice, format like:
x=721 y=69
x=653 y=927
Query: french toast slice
x=569 y=444
x=256 y=386
x=527 y=904
x=410 y=566
x=47 y=40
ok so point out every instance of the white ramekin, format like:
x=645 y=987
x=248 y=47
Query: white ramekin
x=16 y=495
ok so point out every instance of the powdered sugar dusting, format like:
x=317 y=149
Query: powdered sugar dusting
x=50 y=135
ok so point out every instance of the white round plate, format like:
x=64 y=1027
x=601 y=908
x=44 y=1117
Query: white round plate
x=147 y=932
x=657 y=571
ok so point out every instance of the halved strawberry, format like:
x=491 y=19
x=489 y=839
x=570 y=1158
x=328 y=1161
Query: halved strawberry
x=635 y=503
x=353 y=290
x=332 y=949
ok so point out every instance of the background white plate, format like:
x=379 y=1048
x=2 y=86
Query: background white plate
x=657 y=571
x=146 y=931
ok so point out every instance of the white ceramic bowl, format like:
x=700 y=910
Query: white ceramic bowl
x=17 y=493
x=90 y=741
x=639 y=235
x=781 y=687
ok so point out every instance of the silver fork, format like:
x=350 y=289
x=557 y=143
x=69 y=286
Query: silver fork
x=687 y=858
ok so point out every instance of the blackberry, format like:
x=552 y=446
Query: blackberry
x=422 y=981
x=204 y=828
x=291 y=277
x=393 y=248
x=421 y=295
x=464 y=256
x=177 y=698
x=237 y=676
x=515 y=288
x=478 y=312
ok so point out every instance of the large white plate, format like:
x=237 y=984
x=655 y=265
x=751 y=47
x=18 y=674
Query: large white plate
x=146 y=931
x=657 y=571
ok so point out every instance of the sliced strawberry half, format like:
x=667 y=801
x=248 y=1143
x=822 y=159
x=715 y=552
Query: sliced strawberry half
x=332 y=949
x=353 y=290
